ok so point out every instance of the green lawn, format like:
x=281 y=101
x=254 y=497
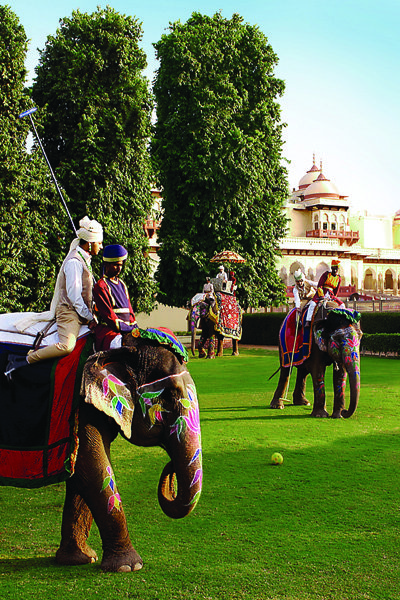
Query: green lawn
x=324 y=525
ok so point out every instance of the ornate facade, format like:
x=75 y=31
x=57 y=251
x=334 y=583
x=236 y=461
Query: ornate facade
x=321 y=225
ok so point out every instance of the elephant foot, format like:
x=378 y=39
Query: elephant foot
x=320 y=413
x=77 y=556
x=122 y=563
x=219 y=354
x=337 y=414
x=211 y=357
x=277 y=403
x=235 y=353
x=301 y=402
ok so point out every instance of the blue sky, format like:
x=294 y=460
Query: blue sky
x=338 y=58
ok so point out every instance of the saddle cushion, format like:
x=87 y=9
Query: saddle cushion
x=296 y=348
x=38 y=417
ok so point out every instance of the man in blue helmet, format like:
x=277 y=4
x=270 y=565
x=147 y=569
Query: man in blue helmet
x=113 y=306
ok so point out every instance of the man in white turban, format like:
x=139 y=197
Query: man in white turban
x=72 y=300
x=303 y=291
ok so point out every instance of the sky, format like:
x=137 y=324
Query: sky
x=340 y=63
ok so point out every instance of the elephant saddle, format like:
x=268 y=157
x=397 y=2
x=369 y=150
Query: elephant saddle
x=295 y=339
x=229 y=316
x=38 y=416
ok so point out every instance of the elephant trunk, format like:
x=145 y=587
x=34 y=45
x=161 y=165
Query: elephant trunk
x=351 y=362
x=193 y=341
x=181 y=479
x=178 y=492
x=353 y=372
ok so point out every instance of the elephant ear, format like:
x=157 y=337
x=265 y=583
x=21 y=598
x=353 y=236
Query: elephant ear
x=110 y=385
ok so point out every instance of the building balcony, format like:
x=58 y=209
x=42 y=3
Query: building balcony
x=351 y=237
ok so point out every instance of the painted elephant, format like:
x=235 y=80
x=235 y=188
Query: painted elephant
x=217 y=317
x=334 y=339
x=151 y=400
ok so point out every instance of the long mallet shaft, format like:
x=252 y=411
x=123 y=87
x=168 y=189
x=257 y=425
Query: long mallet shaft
x=28 y=113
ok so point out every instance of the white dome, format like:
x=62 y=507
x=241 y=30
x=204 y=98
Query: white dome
x=310 y=176
x=321 y=187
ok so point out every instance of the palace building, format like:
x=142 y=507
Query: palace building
x=322 y=226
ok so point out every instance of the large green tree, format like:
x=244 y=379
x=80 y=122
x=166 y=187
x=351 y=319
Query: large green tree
x=31 y=232
x=96 y=127
x=217 y=148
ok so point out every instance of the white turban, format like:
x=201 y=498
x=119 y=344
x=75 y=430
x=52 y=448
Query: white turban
x=89 y=230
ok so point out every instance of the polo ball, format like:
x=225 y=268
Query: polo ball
x=277 y=458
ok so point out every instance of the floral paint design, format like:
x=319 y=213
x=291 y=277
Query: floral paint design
x=117 y=401
x=155 y=409
x=191 y=422
x=114 y=500
x=192 y=419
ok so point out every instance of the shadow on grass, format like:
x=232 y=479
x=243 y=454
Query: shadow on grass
x=43 y=565
x=267 y=414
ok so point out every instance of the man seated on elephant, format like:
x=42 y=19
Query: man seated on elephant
x=328 y=288
x=303 y=291
x=71 y=305
x=222 y=275
x=113 y=307
x=208 y=288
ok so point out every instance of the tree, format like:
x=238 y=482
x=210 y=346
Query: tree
x=96 y=128
x=31 y=233
x=217 y=149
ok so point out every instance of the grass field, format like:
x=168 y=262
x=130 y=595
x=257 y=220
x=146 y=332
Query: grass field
x=322 y=526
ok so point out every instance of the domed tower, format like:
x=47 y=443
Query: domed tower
x=396 y=230
x=310 y=176
x=322 y=188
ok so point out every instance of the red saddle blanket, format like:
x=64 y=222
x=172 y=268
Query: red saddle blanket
x=38 y=417
x=230 y=316
x=295 y=344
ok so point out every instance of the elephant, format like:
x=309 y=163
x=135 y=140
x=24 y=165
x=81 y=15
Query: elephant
x=334 y=339
x=210 y=314
x=154 y=403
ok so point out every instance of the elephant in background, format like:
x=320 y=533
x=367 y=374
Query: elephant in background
x=143 y=391
x=208 y=315
x=335 y=339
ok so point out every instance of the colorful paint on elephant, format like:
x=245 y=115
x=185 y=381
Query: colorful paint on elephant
x=115 y=398
x=114 y=500
x=192 y=418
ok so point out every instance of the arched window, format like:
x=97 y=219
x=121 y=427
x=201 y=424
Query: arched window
x=342 y=222
x=325 y=222
x=388 y=280
x=369 y=283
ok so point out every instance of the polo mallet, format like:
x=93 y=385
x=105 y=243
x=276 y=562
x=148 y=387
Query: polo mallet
x=28 y=113
x=284 y=399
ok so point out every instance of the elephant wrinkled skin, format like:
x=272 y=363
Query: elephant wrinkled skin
x=168 y=418
x=336 y=340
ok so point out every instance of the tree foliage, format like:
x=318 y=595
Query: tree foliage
x=31 y=234
x=217 y=149
x=96 y=126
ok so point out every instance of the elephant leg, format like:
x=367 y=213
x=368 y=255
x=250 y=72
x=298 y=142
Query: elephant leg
x=319 y=408
x=202 y=352
x=277 y=400
x=211 y=347
x=235 y=347
x=220 y=345
x=76 y=523
x=339 y=387
x=96 y=485
x=299 y=397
